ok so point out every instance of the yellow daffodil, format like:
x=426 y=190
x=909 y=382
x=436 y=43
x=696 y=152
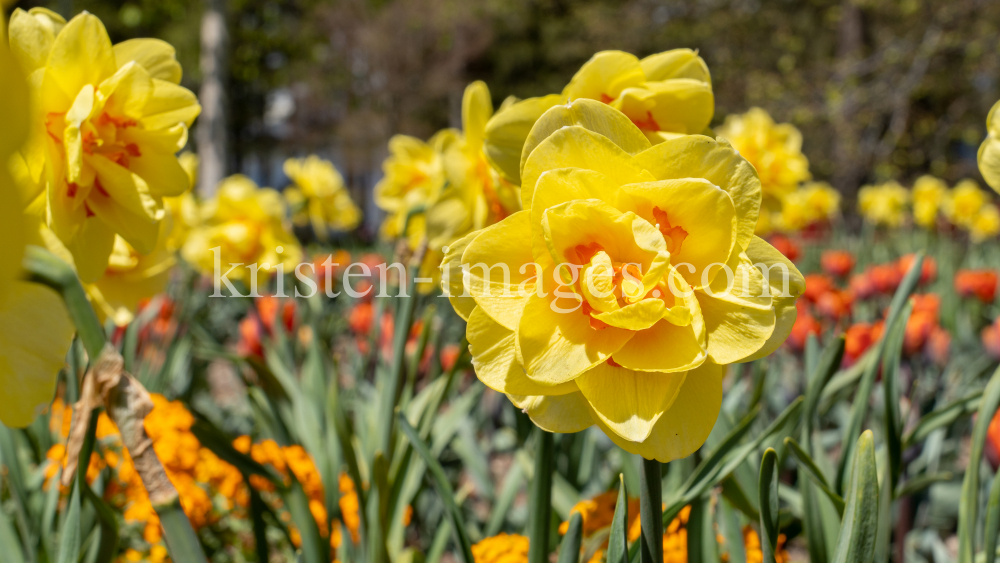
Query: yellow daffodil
x=319 y=197
x=884 y=204
x=445 y=189
x=242 y=224
x=664 y=95
x=986 y=225
x=929 y=194
x=35 y=329
x=989 y=151
x=602 y=302
x=130 y=278
x=812 y=203
x=774 y=150
x=103 y=133
x=964 y=203
x=413 y=178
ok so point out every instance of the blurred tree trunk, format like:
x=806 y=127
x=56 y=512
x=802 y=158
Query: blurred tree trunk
x=212 y=142
x=848 y=169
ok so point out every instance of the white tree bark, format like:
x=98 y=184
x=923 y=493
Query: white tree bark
x=211 y=134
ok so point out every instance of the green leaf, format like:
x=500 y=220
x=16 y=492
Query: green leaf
x=941 y=417
x=108 y=540
x=9 y=540
x=992 y=520
x=618 y=539
x=313 y=548
x=859 y=408
x=701 y=535
x=968 y=506
x=890 y=384
x=540 y=499
x=69 y=532
x=813 y=472
x=651 y=512
x=443 y=487
x=569 y=551
x=921 y=482
x=856 y=543
x=768 y=487
x=182 y=542
x=826 y=366
x=509 y=489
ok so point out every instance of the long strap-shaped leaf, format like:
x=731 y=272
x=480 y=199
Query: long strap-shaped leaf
x=618 y=540
x=651 y=512
x=540 y=500
x=768 y=490
x=569 y=551
x=813 y=472
x=856 y=543
x=443 y=487
x=968 y=506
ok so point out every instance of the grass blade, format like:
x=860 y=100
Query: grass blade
x=968 y=506
x=443 y=487
x=618 y=540
x=992 y=520
x=569 y=551
x=69 y=534
x=814 y=473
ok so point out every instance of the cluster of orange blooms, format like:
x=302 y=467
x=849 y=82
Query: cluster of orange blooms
x=295 y=459
x=826 y=302
x=200 y=477
x=598 y=512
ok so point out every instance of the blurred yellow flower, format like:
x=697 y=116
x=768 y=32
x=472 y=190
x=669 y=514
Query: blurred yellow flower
x=774 y=150
x=318 y=196
x=615 y=312
x=812 y=203
x=989 y=151
x=664 y=95
x=130 y=278
x=182 y=210
x=884 y=204
x=413 y=178
x=964 y=203
x=242 y=224
x=108 y=120
x=35 y=329
x=986 y=224
x=929 y=195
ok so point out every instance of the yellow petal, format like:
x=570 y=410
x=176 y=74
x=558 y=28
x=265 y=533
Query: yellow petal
x=35 y=335
x=564 y=414
x=703 y=210
x=696 y=156
x=91 y=248
x=32 y=34
x=162 y=173
x=989 y=151
x=676 y=63
x=81 y=54
x=557 y=347
x=680 y=105
x=786 y=286
x=686 y=425
x=497 y=261
x=739 y=317
x=158 y=57
x=73 y=136
x=169 y=105
x=635 y=316
x=507 y=130
x=593 y=116
x=477 y=109
x=494 y=360
x=128 y=208
x=577 y=147
x=451 y=284
x=604 y=76
x=664 y=347
x=629 y=402
x=127 y=91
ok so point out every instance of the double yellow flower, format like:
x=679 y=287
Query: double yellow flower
x=616 y=310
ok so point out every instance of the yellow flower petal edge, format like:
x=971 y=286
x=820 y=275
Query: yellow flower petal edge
x=628 y=283
x=663 y=95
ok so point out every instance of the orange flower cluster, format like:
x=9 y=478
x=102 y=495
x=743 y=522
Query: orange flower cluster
x=200 y=477
x=884 y=279
x=837 y=263
x=786 y=246
x=598 y=512
x=502 y=548
x=295 y=459
x=981 y=284
x=261 y=321
x=923 y=332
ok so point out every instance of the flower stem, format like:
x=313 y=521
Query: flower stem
x=540 y=512
x=651 y=512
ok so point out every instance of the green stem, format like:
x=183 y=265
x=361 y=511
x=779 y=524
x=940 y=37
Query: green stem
x=651 y=512
x=540 y=511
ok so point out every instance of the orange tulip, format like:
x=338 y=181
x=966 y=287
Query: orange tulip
x=835 y=303
x=991 y=339
x=928 y=270
x=786 y=246
x=837 y=263
x=885 y=278
x=981 y=284
x=858 y=339
x=805 y=324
